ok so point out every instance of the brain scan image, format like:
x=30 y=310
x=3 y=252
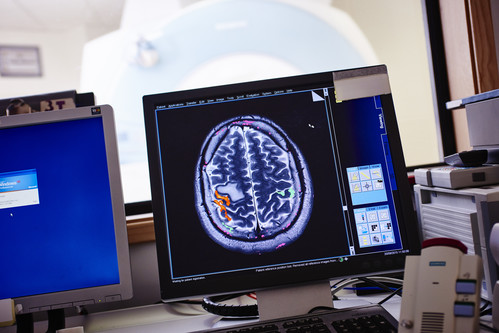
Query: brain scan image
x=253 y=190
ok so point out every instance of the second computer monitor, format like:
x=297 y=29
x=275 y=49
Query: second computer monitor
x=278 y=182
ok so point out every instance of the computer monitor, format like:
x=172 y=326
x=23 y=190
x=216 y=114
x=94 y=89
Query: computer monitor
x=63 y=233
x=278 y=183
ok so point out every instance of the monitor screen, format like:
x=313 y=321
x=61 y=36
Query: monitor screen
x=278 y=182
x=62 y=222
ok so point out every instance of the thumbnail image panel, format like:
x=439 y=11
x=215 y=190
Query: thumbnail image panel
x=366 y=184
x=374 y=226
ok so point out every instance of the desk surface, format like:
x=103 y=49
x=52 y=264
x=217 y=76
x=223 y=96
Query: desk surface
x=178 y=318
x=166 y=318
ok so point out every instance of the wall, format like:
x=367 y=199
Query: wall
x=494 y=6
x=470 y=54
x=397 y=36
x=61 y=55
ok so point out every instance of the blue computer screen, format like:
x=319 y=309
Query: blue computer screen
x=56 y=219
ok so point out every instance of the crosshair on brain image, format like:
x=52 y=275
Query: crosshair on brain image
x=253 y=189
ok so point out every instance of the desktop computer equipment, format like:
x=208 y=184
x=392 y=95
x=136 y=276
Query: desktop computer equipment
x=467 y=215
x=441 y=289
x=63 y=233
x=494 y=247
x=277 y=186
x=481 y=112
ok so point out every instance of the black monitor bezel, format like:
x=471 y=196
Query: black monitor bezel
x=268 y=279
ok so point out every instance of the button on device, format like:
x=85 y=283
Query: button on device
x=86 y=302
x=113 y=298
x=61 y=306
x=466 y=287
x=464 y=309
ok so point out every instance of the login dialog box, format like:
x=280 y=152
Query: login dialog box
x=18 y=188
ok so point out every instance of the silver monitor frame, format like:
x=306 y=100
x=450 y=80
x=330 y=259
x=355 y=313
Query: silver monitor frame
x=98 y=294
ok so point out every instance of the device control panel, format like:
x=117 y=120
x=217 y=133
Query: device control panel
x=441 y=289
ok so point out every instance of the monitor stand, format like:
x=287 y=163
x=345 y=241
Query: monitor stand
x=56 y=321
x=24 y=323
x=294 y=300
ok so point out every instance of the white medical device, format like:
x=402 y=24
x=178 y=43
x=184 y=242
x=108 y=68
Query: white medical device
x=441 y=289
x=494 y=248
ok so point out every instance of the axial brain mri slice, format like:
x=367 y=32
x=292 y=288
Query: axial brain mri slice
x=253 y=190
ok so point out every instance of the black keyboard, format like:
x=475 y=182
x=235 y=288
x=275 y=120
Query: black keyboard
x=371 y=318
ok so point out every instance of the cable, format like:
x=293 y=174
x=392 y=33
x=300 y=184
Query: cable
x=212 y=305
x=485 y=309
x=489 y=328
x=375 y=279
x=320 y=308
x=379 y=285
x=395 y=292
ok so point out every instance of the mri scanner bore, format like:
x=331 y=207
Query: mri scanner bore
x=253 y=190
